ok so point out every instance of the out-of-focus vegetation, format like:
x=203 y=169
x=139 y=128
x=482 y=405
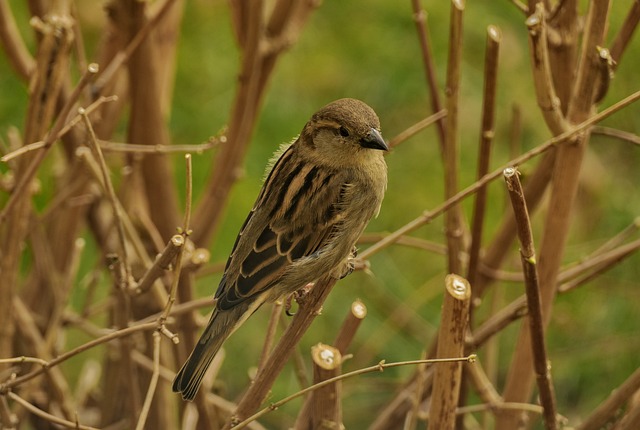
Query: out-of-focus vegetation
x=369 y=50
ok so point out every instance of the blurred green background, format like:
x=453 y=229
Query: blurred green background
x=369 y=50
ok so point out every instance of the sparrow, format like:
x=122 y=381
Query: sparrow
x=313 y=206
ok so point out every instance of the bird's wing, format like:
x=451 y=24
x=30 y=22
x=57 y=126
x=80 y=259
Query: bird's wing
x=298 y=210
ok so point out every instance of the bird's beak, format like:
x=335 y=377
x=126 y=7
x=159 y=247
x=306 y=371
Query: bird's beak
x=374 y=140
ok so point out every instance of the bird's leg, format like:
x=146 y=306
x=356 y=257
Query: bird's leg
x=299 y=296
x=349 y=264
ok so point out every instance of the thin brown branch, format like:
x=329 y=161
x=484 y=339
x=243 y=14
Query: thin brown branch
x=484 y=152
x=17 y=53
x=498 y=321
x=357 y=313
x=117 y=334
x=160 y=149
x=160 y=265
x=420 y=18
x=548 y=101
x=185 y=232
x=520 y=379
x=536 y=324
x=380 y=367
x=428 y=216
x=30 y=171
x=416 y=128
x=57 y=386
x=618 y=134
x=607 y=410
x=123 y=56
x=454 y=225
x=595 y=266
x=309 y=309
x=270 y=334
x=146 y=406
x=113 y=199
x=46 y=416
x=520 y=6
x=625 y=34
x=41 y=143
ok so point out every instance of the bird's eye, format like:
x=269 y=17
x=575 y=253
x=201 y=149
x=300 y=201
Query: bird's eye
x=343 y=132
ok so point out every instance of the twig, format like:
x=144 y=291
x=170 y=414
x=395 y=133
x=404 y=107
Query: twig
x=185 y=231
x=308 y=310
x=416 y=128
x=124 y=265
x=607 y=409
x=447 y=378
x=484 y=152
x=504 y=406
x=536 y=324
x=146 y=406
x=30 y=171
x=428 y=216
x=595 y=266
x=121 y=57
x=521 y=6
x=381 y=366
x=420 y=18
x=618 y=134
x=46 y=416
x=160 y=149
x=14 y=46
x=520 y=380
x=499 y=320
x=548 y=101
x=117 y=334
x=409 y=241
x=76 y=119
x=624 y=36
x=357 y=313
x=269 y=336
x=453 y=216
x=161 y=263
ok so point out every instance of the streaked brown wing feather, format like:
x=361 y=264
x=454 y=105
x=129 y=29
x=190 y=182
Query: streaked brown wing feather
x=292 y=219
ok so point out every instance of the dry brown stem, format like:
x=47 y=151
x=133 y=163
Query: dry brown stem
x=536 y=325
x=416 y=128
x=17 y=52
x=420 y=18
x=447 y=378
x=327 y=400
x=484 y=152
x=428 y=216
x=376 y=368
x=607 y=410
x=548 y=101
x=357 y=313
x=262 y=40
x=454 y=225
x=624 y=36
x=46 y=416
x=558 y=220
x=308 y=310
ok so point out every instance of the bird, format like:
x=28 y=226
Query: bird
x=314 y=204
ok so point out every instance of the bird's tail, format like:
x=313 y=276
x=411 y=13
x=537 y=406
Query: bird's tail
x=220 y=326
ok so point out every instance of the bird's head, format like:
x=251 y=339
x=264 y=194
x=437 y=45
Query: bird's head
x=344 y=130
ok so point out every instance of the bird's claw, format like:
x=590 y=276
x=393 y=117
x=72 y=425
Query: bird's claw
x=298 y=296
